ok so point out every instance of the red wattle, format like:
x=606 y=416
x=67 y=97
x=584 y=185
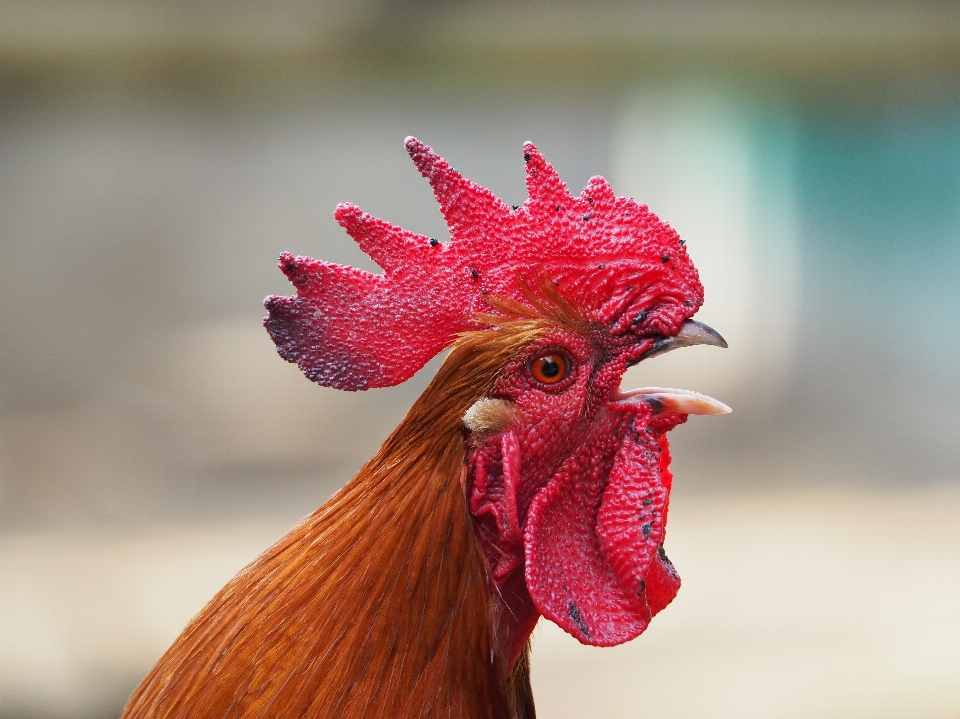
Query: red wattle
x=592 y=540
x=633 y=514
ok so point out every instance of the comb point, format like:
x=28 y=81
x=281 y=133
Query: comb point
x=427 y=161
x=544 y=185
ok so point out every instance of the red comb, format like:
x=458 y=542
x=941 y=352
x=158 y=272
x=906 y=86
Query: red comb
x=352 y=329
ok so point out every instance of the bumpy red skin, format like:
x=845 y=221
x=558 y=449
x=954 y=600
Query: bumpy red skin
x=611 y=253
x=575 y=492
x=574 y=496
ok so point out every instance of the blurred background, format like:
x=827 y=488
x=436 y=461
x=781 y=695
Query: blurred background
x=156 y=157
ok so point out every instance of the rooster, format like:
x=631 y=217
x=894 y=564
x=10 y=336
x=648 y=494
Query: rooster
x=522 y=483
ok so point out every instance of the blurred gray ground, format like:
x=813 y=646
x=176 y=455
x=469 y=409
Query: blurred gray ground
x=156 y=158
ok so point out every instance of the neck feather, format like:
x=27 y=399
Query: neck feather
x=378 y=604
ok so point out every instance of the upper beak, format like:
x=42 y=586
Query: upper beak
x=691 y=333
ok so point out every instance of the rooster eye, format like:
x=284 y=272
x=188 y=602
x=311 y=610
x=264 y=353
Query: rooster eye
x=549 y=368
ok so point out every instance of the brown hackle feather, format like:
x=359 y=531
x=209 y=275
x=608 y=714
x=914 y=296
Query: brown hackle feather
x=378 y=604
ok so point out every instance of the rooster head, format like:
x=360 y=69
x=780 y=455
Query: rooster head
x=568 y=475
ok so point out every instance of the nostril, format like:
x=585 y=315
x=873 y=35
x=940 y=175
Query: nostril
x=647 y=347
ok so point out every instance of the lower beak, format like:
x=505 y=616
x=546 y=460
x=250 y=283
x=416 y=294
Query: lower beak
x=664 y=399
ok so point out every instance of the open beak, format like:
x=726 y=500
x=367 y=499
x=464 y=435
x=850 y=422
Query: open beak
x=681 y=401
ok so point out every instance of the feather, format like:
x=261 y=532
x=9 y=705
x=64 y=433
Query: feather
x=377 y=605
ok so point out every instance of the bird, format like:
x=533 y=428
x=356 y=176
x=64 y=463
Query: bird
x=523 y=483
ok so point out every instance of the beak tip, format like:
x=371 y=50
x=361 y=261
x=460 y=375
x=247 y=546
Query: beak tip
x=716 y=408
x=703 y=334
x=691 y=333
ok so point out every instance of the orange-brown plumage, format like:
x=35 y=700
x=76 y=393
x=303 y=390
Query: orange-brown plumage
x=377 y=604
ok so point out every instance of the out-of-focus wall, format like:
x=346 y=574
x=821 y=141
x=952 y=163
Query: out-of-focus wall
x=155 y=159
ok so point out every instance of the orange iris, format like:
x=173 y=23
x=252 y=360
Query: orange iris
x=549 y=368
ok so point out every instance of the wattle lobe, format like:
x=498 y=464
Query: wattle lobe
x=592 y=538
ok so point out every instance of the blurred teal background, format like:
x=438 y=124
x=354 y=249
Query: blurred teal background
x=156 y=157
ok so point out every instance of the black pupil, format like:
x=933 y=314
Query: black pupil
x=549 y=367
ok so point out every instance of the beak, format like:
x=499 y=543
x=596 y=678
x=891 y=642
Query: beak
x=681 y=401
x=691 y=333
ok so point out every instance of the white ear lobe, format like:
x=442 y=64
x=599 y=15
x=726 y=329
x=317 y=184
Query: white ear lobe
x=489 y=416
